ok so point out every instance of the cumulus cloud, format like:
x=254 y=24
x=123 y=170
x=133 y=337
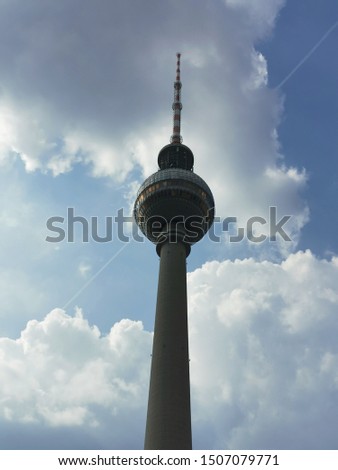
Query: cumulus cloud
x=263 y=354
x=66 y=367
x=79 y=89
x=62 y=372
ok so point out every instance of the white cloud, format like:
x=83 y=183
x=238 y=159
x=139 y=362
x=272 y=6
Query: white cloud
x=263 y=349
x=263 y=355
x=259 y=77
x=262 y=12
x=84 y=269
x=81 y=89
x=61 y=367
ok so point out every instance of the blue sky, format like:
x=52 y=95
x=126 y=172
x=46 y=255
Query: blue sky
x=86 y=93
x=312 y=87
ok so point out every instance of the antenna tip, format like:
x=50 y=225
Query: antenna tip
x=178 y=54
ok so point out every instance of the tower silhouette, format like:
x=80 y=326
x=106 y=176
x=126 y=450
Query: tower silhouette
x=174 y=208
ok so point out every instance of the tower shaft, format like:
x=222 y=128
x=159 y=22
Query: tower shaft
x=174 y=208
x=169 y=417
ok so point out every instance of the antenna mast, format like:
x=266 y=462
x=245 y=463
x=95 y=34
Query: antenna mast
x=176 y=138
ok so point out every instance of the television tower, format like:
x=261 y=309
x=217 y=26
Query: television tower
x=174 y=209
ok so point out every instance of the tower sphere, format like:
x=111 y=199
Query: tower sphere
x=174 y=199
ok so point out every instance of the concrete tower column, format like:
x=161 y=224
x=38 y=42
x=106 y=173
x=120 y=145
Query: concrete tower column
x=172 y=205
x=169 y=417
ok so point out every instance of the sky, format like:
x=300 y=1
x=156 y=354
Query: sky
x=85 y=106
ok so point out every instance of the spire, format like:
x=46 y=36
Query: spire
x=176 y=138
x=175 y=154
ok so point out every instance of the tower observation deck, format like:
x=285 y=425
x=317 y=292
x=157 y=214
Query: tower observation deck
x=174 y=209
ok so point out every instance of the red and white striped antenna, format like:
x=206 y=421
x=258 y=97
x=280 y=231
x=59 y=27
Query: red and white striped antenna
x=176 y=138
